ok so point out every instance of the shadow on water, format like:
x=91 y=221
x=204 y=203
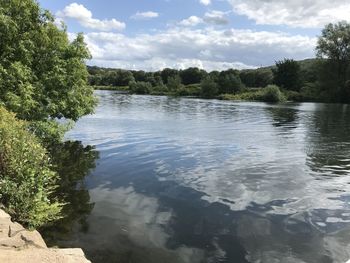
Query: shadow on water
x=73 y=162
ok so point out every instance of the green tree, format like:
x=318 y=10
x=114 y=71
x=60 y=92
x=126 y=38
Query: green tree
x=287 y=74
x=209 y=88
x=168 y=73
x=192 y=75
x=140 y=87
x=334 y=45
x=42 y=74
x=174 y=83
x=229 y=82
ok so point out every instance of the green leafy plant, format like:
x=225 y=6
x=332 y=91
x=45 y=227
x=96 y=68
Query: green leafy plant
x=27 y=180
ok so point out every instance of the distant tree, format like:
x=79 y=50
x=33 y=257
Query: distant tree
x=42 y=74
x=229 y=82
x=140 y=87
x=150 y=78
x=139 y=75
x=209 y=88
x=263 y=77
x=287 y=74
x=174 y=83
x=247 y=76
x=124 y=77
x=214 y=75
x=334 y=45
x=192 y=75
x=168 y=73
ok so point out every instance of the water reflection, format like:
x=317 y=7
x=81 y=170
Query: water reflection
x=73 y=161
x=187 y=180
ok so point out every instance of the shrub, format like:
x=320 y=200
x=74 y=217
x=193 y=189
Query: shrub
x=140 y=87
x=209 y=88
x=269 y=94
x=272 y=93
x=293 y=95
x=26 y=179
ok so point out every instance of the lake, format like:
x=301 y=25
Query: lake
x=160 y=179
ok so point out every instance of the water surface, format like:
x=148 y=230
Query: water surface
x=189 y=180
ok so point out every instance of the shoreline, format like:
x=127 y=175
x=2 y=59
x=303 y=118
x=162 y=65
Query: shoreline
x=18 y=245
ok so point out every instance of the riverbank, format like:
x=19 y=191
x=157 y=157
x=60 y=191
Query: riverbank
x=19 y=245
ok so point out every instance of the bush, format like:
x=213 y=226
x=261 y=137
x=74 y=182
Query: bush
x=209 y=88
x=293 y=95
x=189 y=90
x=271 y=93
x=140 y=87
x=26 y=179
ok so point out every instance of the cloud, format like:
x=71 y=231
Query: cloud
x=216 y=17
x=210 y=49
x=212 y=17
x=145 y=15
x=84 y=17
x=205 y=2
x=191 y=21
x=296 y=13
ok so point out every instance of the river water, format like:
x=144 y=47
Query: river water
x=190 y=180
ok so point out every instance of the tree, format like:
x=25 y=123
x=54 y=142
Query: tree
x=334 y=45
x=174 y=83
x=168 y=73
x=140 y=87
x=263 y=77
x=229 y=82
x=192 y=75
x=287 y=74
x=42 y=74
x=209 y=89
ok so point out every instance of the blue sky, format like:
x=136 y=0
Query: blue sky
x=211 y=34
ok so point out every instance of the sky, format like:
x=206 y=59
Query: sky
x=209 y=34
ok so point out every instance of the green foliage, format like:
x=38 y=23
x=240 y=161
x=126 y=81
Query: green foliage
x=287 y=74
x=269 y=94
x=168 y=73
x=140 y=87
x=209 y=88
x=192 y=75
x=334 y=46
x=190 y=90
x=26 y=177
x=174 y=83
x=255 y=78
x=229 y=82
x=50 y=131
x=42 y=74
x=272 y=93
x=292 y=95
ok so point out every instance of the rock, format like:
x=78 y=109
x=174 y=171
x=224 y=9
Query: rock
x=18 y=245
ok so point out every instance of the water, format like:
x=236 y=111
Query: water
x=189 y=180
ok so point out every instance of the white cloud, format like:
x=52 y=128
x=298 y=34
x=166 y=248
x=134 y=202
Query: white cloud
x=84 y=17
x=205 y=2
x=205 y=48
x=216 y=17
x=145 y=15
x=191 y=21
x=212 y=17
x=296 y=13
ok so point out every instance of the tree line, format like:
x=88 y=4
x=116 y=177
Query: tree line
x=325 y=78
